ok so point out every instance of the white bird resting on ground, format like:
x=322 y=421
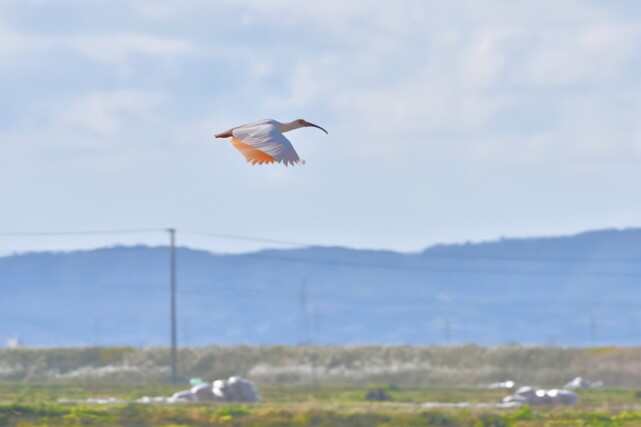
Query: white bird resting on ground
x=529 y=396
x=580 y=382
x=508 y=385
x=234 y=389
x=263 y=141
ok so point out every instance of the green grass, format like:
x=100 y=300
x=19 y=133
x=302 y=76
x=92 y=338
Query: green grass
x=316 y=386
x=48 y=393
x=34 y=405
x=319 y=415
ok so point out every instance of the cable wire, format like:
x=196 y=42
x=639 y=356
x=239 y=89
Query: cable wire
x=80 y=233
x=427 y=255
x=300 y=244
x=238 y=237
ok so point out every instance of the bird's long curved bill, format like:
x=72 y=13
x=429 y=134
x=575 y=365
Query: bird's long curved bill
x=316 y=126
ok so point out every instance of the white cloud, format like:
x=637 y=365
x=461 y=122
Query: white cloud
x=107 y=113
x=14 y=44
x=114 y=49
x=571 y=57
x=119 y=48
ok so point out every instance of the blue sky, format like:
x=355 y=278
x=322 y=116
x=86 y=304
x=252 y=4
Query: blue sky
x=466 y=121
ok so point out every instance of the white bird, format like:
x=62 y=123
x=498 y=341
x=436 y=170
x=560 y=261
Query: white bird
x=264 y=142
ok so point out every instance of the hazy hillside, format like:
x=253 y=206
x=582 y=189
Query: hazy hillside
x=566 y=290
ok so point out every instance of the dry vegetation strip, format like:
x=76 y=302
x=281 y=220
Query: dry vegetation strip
x=403 y=366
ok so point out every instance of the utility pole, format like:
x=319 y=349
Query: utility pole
x=447 y=330
x=305 y=340
x=172 y=285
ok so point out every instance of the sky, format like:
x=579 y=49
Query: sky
x=448 y=121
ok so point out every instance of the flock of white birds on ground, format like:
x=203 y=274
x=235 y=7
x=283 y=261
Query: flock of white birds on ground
x=263 y=142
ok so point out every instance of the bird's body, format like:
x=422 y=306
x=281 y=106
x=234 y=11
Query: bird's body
x=263 y=141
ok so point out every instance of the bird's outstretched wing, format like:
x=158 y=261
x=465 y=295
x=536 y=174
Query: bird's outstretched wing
x=264 y=143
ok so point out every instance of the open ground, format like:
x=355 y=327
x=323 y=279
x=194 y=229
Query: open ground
x=317 y=386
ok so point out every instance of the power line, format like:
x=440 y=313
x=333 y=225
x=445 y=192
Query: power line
x=426 y=256
x=81 y=233
x=410 y=268
x=299 y=243
x=534 y=259
x=239 y=237
x=397 y=267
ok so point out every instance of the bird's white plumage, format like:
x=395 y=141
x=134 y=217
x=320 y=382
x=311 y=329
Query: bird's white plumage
x=266 y=137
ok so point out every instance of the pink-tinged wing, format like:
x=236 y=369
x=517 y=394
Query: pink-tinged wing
x=263 y=142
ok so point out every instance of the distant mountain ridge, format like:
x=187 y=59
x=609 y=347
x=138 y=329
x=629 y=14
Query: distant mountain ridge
x=571 y=290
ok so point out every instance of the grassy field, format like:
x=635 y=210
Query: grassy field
x=316 y=386
x=28 y=405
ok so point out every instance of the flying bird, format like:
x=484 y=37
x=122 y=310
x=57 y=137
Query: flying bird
x=263 y=142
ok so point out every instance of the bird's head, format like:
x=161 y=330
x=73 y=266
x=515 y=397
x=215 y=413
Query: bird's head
x=305 y=123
